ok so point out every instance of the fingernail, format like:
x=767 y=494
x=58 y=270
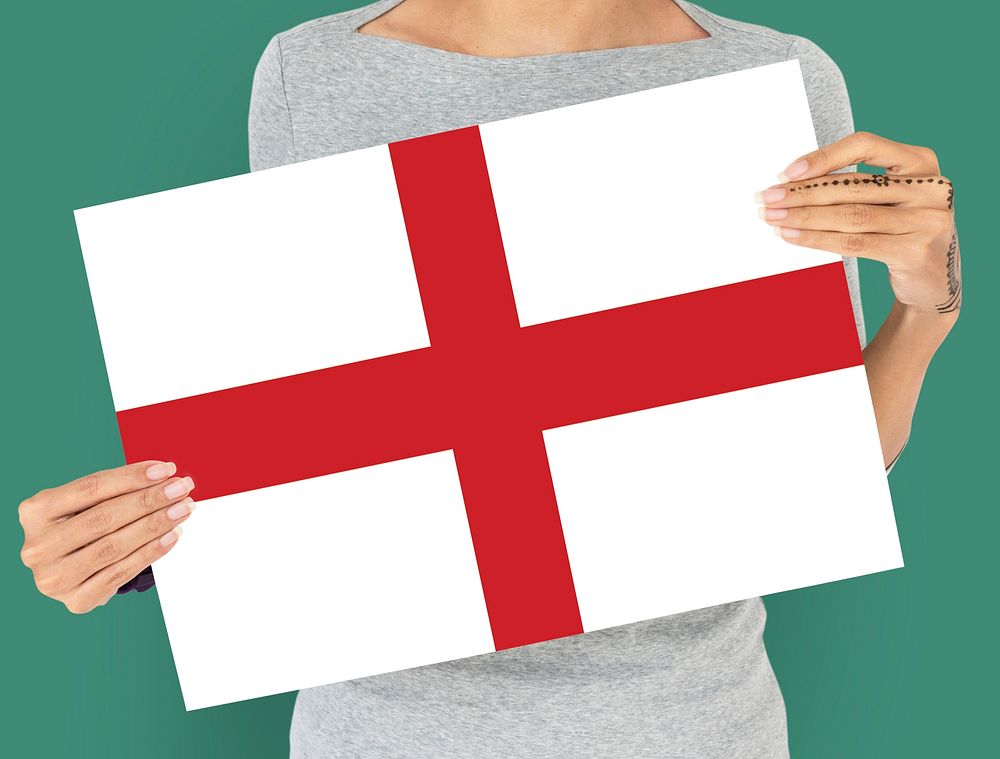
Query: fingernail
x=787 y=232
x=794 y=171
x=159 y=471
x=770 y=195
x=181 y=509
x=177 y=488
x=171 y=537
x=772 y=214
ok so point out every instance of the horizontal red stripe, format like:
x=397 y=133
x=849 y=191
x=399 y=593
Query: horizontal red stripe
x=690 y=346
x=612 y=362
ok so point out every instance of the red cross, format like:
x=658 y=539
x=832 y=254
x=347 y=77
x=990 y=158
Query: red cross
x=487 y=387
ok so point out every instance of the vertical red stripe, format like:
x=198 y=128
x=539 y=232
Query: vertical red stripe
x=447 y=203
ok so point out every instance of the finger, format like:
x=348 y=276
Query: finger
x=97 y=589
x=78 y=495
x=862 y=147
x=877 y=247
x=932 y=191
x=856 y=217
x=81 y=564
x=109 y=516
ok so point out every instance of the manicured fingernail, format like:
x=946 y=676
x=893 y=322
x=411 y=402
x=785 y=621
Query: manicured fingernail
x=772 y=214
x=794 y=171
x=181 y=509
x=787 y=232
x=171 y=537
x=177 y=488
x=770 y=195
x=159 y=471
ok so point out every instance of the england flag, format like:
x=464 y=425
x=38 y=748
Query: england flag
x=490 y=387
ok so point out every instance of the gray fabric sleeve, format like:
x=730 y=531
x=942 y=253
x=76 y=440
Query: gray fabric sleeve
x=271 y=140
x=832 y=120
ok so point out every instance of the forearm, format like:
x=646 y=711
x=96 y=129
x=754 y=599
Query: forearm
x=896 y=361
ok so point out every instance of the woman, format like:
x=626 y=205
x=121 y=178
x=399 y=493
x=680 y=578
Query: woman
x=694 y=685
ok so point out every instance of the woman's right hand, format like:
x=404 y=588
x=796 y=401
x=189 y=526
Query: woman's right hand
x=86 y=539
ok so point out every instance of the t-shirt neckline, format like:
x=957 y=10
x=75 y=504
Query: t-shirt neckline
x=415 y=52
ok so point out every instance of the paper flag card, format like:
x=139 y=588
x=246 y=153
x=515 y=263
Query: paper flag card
x=490 y=387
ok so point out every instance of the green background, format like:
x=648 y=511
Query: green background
x=111 y=99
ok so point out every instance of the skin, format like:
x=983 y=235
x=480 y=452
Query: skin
x=511 y=28
x=85 y=539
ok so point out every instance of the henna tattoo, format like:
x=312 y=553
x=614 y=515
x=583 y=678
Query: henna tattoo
x=954 y=302
x=882 y=180
x=878 y=180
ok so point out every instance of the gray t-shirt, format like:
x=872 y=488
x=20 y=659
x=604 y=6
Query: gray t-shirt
x=690 y=685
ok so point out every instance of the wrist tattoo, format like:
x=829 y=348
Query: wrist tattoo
x=954 y=302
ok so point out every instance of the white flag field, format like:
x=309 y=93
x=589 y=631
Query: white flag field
x=490 y=387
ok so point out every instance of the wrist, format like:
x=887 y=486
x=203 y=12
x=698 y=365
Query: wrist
x=921 y=330
x=926 y=322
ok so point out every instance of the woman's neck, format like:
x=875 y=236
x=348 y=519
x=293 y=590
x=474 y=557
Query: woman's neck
x=508 y=28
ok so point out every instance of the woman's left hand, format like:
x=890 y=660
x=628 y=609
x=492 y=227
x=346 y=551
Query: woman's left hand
x=903 y=218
